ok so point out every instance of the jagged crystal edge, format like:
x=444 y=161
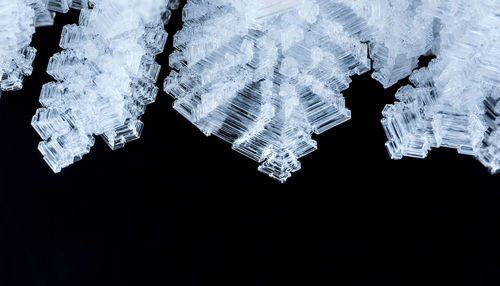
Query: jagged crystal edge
x=454 y=102
x=404 y=32
x=18 y=20
x=105 y=76
x=264 y=75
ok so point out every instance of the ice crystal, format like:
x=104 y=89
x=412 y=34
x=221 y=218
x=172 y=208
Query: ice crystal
x=18 y=20
x=17 y=25
x=105 y=77
x=266 y=75
x=404 y=31
x=454 y=102
x=263 y=75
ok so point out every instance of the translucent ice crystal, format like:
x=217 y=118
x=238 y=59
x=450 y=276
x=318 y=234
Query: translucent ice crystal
x=455 y=101
x=264 y=75
x=17 y=26
x=404 y=32
x=18 y=20
x=105 y=77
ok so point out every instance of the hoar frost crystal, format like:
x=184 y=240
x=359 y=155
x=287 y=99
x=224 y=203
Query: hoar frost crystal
x=263 y=75
x=454 y=102
x=266 y=75
x=18 y=19
x=105 y=77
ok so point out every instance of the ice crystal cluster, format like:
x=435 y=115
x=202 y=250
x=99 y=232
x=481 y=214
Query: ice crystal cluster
x=265 y=76
x=105 y=76
x=454 y=102
x=18 y=19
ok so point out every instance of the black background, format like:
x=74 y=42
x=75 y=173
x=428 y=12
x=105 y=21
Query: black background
x=179 y=208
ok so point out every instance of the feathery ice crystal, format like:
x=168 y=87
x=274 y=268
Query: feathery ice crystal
x=454 y=102
x=265 y=76
x=18 y=20
x=105 y=77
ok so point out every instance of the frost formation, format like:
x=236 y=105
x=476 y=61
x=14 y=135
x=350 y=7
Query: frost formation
x=266 y=76
x=454 y=102
x=18 y=20
x=105 y=77
x=263 y=75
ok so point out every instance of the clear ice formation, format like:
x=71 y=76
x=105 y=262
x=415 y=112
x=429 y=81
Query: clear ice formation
x=105 y=76
x=404 y=32
x=455 y=101
x=265 y=76
x=18 y=20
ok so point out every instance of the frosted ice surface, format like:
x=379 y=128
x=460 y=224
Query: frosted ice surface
x=455 y=101
x=105 y=76
x=264 y=75
x=18 y=20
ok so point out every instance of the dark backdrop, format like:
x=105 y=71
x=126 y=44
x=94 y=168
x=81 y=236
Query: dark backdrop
x=179 y=208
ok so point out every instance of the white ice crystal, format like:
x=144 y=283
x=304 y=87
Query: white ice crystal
x=455 y=101
x=266 y=75
x=105 y=76
x=18 y=20
x=404 y=31
x=17 y=25
x=263 y=75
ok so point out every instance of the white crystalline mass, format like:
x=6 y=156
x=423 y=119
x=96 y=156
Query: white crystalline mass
x=105 y=77
x=455 y=101
x=17 y=25
x=18 y=19
x=404 y=31
x=264 y=75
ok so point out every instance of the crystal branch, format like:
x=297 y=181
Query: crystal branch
x=454 y=102
x=105 y=77
x=18 y=20
x=265 y=75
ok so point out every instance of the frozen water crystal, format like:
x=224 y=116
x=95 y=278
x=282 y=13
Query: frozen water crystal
x=265 y=75
x=404 y=32
x=454 y=102
x=17 y=25
x=105 y=77
x=18 y=20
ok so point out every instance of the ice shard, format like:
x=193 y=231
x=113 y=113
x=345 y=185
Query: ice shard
x=105 y=76
x=266 y=75
x=454 y=102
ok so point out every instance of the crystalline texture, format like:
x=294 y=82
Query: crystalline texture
x=453 y=102
x=404 y=32
x=265 y=75
x=18 y=20
x=16 y=56
x=105 y=77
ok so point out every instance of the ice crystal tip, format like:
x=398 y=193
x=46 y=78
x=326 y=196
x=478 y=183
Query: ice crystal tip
x=18 y=20
x=265 y=76
x=105 y=76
